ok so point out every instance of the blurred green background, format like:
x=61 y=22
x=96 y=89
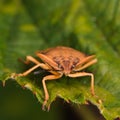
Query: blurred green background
x=91 y=26
x=19 y=104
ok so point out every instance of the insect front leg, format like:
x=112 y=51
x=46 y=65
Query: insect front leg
x=49 y=77
x=32 y=59
x=86 y=62
x=29 y=59
x=80 y=74
x=42 y=65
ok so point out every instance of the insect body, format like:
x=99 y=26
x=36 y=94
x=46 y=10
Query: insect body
x=58 y=61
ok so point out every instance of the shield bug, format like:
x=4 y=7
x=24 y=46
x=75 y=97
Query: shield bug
x=61 y=61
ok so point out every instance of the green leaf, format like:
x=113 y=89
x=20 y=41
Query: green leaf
x=89 y=26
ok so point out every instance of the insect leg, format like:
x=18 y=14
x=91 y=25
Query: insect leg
x=31 y=69
x=87 y=59
x=89 y=63
x=30 y=59
x=80 y=74
x=49 y=77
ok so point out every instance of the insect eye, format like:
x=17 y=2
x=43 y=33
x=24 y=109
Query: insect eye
x=72 y=66
x=60 y=66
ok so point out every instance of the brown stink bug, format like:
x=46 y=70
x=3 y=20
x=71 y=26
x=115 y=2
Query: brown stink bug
x=61 y=61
